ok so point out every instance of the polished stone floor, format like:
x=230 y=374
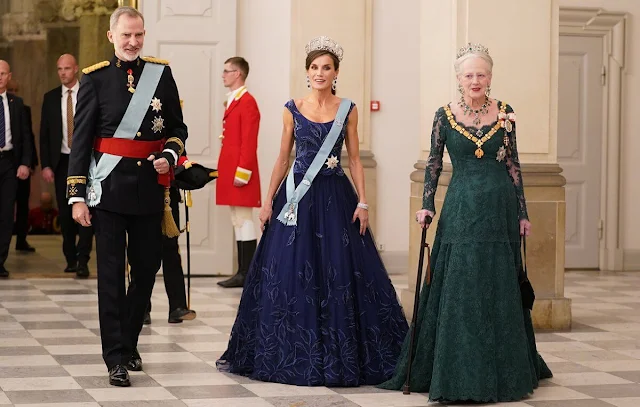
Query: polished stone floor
x=50 y=349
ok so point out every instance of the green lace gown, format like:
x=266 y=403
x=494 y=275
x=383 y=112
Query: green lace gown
x=474 y=339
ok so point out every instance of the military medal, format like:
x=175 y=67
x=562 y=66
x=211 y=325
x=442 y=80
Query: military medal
x=156 y=105
x=332 y=162
x=508 y=126
x=502 y=152
x=158 y=124
x=130 y=80
x=479 y=152
x=92 y=194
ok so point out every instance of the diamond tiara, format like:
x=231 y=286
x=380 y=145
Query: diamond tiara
x=472 y=49
x=324 y=43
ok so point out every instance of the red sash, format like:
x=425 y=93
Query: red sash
x=133 y=149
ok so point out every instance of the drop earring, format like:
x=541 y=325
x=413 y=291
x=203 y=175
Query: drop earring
x=487 y=92
x=308 y=83
x=335 y=83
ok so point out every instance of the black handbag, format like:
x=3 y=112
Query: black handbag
x=526 y=289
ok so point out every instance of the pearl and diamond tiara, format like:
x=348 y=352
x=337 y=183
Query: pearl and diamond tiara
x=472 y=49
x=324 y=43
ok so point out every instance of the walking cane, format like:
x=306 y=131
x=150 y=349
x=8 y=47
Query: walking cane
x=423 y=245
x=187 y=204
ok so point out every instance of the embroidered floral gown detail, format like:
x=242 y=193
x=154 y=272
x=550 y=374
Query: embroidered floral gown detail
x=474 y=340
x=318 y=307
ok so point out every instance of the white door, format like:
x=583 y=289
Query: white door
x=197 y=36
x=580 y=145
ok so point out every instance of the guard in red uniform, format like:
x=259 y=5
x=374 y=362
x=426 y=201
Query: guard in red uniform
x=238 y=184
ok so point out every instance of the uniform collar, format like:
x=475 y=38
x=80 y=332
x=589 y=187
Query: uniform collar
x=126 y=65
x=235 y=94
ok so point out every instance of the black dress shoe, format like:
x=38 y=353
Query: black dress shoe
x=71 y=268
x=118 y=376
x=135 y=363
x=25 y=247
x=181 y=314
x=3 y=272
x=236 y=281
x=147 y=318
x=82 y=271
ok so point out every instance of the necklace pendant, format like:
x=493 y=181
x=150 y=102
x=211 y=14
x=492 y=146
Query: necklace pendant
x=479 y=152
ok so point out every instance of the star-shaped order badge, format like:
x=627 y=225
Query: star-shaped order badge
x=158 y=124
x=156 y=105
x=502 y=152
x=332 y=162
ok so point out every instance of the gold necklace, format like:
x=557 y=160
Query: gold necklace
x=479 y=138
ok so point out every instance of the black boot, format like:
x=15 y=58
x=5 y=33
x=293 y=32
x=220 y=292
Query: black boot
x=245 y=255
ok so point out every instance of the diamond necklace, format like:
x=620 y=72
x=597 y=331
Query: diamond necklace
x=484 y=109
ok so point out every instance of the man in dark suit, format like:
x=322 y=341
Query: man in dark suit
x=56 y=131
x=128 y=134
x=23 y=193
x=15 y=158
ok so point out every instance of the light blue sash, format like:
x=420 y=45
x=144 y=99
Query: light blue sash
x=127 y=129
x=289 y=213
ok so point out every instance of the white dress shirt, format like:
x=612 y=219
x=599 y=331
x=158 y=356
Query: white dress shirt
x=7 y=123
x=63 y=105
x=233 y=94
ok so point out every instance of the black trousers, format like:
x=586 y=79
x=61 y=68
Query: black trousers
x=121 y=312
x=22 y=210
x=172 y=262
x=8 y=189
x=73 y=252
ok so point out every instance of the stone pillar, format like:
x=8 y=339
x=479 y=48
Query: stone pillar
x=62 y=38
x=94 y=45
x=349 y=23
x=524 y=46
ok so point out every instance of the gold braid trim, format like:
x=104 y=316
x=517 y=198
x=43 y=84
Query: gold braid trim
x=154 y=60
x=178 y=142
x=76 y=180
x=95 y=67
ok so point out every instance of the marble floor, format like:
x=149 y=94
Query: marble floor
x=50 y=349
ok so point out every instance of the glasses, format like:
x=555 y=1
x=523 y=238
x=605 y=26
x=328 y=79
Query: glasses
x=226 y=71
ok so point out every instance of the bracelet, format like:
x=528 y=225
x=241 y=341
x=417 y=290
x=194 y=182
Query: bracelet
x=363 y=206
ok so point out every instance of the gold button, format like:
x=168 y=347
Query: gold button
x=138 y=134
x=221 y=136
x=139 y=163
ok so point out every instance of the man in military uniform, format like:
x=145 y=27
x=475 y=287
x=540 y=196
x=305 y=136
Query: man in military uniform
x=128 y=134
x=239 y=180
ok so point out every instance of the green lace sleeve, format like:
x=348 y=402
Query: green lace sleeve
x=513 y=166
x=434 y=163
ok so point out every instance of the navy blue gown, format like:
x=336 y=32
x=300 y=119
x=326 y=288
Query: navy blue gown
x=318 y=307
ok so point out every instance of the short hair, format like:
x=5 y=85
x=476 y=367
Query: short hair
x=457 y=66
x=130 y=11
x=241 y=64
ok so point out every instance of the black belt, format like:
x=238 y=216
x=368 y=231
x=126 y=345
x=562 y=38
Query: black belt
x=6 y=154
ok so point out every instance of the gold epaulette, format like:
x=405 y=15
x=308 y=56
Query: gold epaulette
x=95 y=67
x=156 y=60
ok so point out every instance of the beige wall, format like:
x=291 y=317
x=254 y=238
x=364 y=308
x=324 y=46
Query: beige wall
x=264 y=31
x=630 y=143
x=412 y=76
x=395 y=128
